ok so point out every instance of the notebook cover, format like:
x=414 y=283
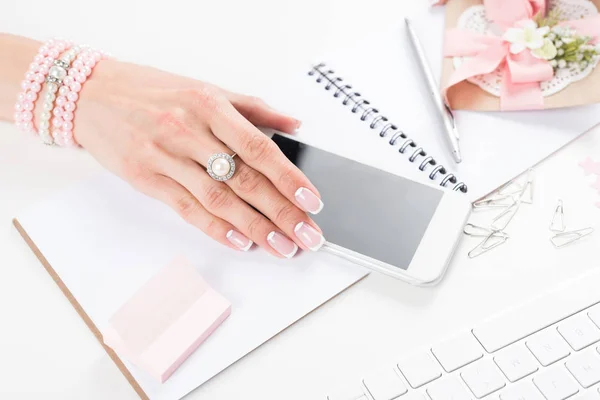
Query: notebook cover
x=80 y=311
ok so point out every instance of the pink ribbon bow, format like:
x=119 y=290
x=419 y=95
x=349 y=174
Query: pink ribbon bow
x=521 y=73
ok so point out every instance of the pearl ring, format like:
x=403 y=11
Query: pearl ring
x=221 y=166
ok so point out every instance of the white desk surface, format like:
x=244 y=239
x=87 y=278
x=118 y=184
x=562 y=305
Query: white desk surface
x=46 y=349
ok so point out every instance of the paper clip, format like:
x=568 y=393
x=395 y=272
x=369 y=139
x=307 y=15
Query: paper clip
x=570 y=237
x=491 y=242
x=504 y=189
x=527 y=189
x=494 y=201
x=479 y=231
x=558 y=218
x=501 y=221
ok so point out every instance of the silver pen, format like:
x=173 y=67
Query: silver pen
x=452 y=137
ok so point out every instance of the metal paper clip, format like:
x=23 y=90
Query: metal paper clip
x=494 y=201
x=510 y=188
x=501 y=221
x=565 y=238
x=491 y=242
x=526 y=195
x=480 y=231
x=558 y=218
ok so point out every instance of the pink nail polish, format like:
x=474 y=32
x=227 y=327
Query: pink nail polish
x=238 y=240
x=282 y=245
x=308 y=200
x=309 y=236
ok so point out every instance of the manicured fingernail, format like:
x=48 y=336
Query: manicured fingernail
x=238 y=240
x=298 y=125
x=309 y=236
x=308 y=200
x=282 y=245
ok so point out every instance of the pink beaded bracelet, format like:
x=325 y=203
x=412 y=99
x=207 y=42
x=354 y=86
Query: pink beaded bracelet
x=64 y=85
x=32 y=84
x=68 y=95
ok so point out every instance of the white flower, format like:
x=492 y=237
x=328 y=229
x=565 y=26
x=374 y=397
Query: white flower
x=558 y=43
x=562 y=64
x=561 y=52
x=528 y=37
x=579 y=56
x=568 y=40
x=583 y=65
x=547 y=52
x=552 y=36
x=558 y=30
x=554 y=63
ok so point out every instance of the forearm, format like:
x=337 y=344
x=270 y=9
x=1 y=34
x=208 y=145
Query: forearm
x=16 y=53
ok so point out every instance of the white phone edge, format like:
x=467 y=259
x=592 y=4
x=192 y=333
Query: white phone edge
x=443 y=235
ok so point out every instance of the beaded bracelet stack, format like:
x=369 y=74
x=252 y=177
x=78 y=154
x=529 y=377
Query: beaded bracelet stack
x=62 y=68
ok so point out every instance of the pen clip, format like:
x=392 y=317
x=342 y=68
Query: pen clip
x=450 y=112
x=451 y=118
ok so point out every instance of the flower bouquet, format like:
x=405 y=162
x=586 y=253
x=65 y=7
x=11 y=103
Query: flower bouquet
x=521 y=54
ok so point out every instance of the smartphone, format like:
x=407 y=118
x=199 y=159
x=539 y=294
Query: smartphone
x=391 y=224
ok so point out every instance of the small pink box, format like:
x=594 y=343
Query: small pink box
x=166 y=320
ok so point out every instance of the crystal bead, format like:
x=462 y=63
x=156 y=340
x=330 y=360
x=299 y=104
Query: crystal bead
x=57 y=72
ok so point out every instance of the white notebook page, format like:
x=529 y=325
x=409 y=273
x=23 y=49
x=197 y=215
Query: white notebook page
x=377 y=59
x=105 y=240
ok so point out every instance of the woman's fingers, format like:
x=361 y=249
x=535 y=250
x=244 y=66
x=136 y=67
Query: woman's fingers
x=260 y=113
x=170 y=192
x=255 y=189
x=219 y=200
x=263 y=155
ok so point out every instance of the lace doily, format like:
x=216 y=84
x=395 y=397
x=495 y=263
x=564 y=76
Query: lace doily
x=474 y=19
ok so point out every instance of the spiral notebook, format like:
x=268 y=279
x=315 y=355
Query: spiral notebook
x=370 y=102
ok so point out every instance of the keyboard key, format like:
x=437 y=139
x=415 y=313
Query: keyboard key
x=413 y=396
x=385 y=385
x=362 y=397
x=589 y=395
x=513 y=325
x=420 y=369
x=556 y=384
x=579 y=331
x=594 y=314
x=516 y=362
x=483 y=378
x=457 y=352
x=548 y=347
x=525 y=390
x=585 y=367
x=350 y=392
x=448 y=388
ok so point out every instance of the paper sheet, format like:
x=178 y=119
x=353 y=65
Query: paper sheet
x=105 y=240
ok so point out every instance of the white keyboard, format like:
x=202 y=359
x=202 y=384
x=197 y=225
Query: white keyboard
x=546 y=349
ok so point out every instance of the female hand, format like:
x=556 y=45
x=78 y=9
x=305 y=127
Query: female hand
x=157 y=131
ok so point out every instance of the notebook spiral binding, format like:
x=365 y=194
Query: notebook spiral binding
x=381 y=123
